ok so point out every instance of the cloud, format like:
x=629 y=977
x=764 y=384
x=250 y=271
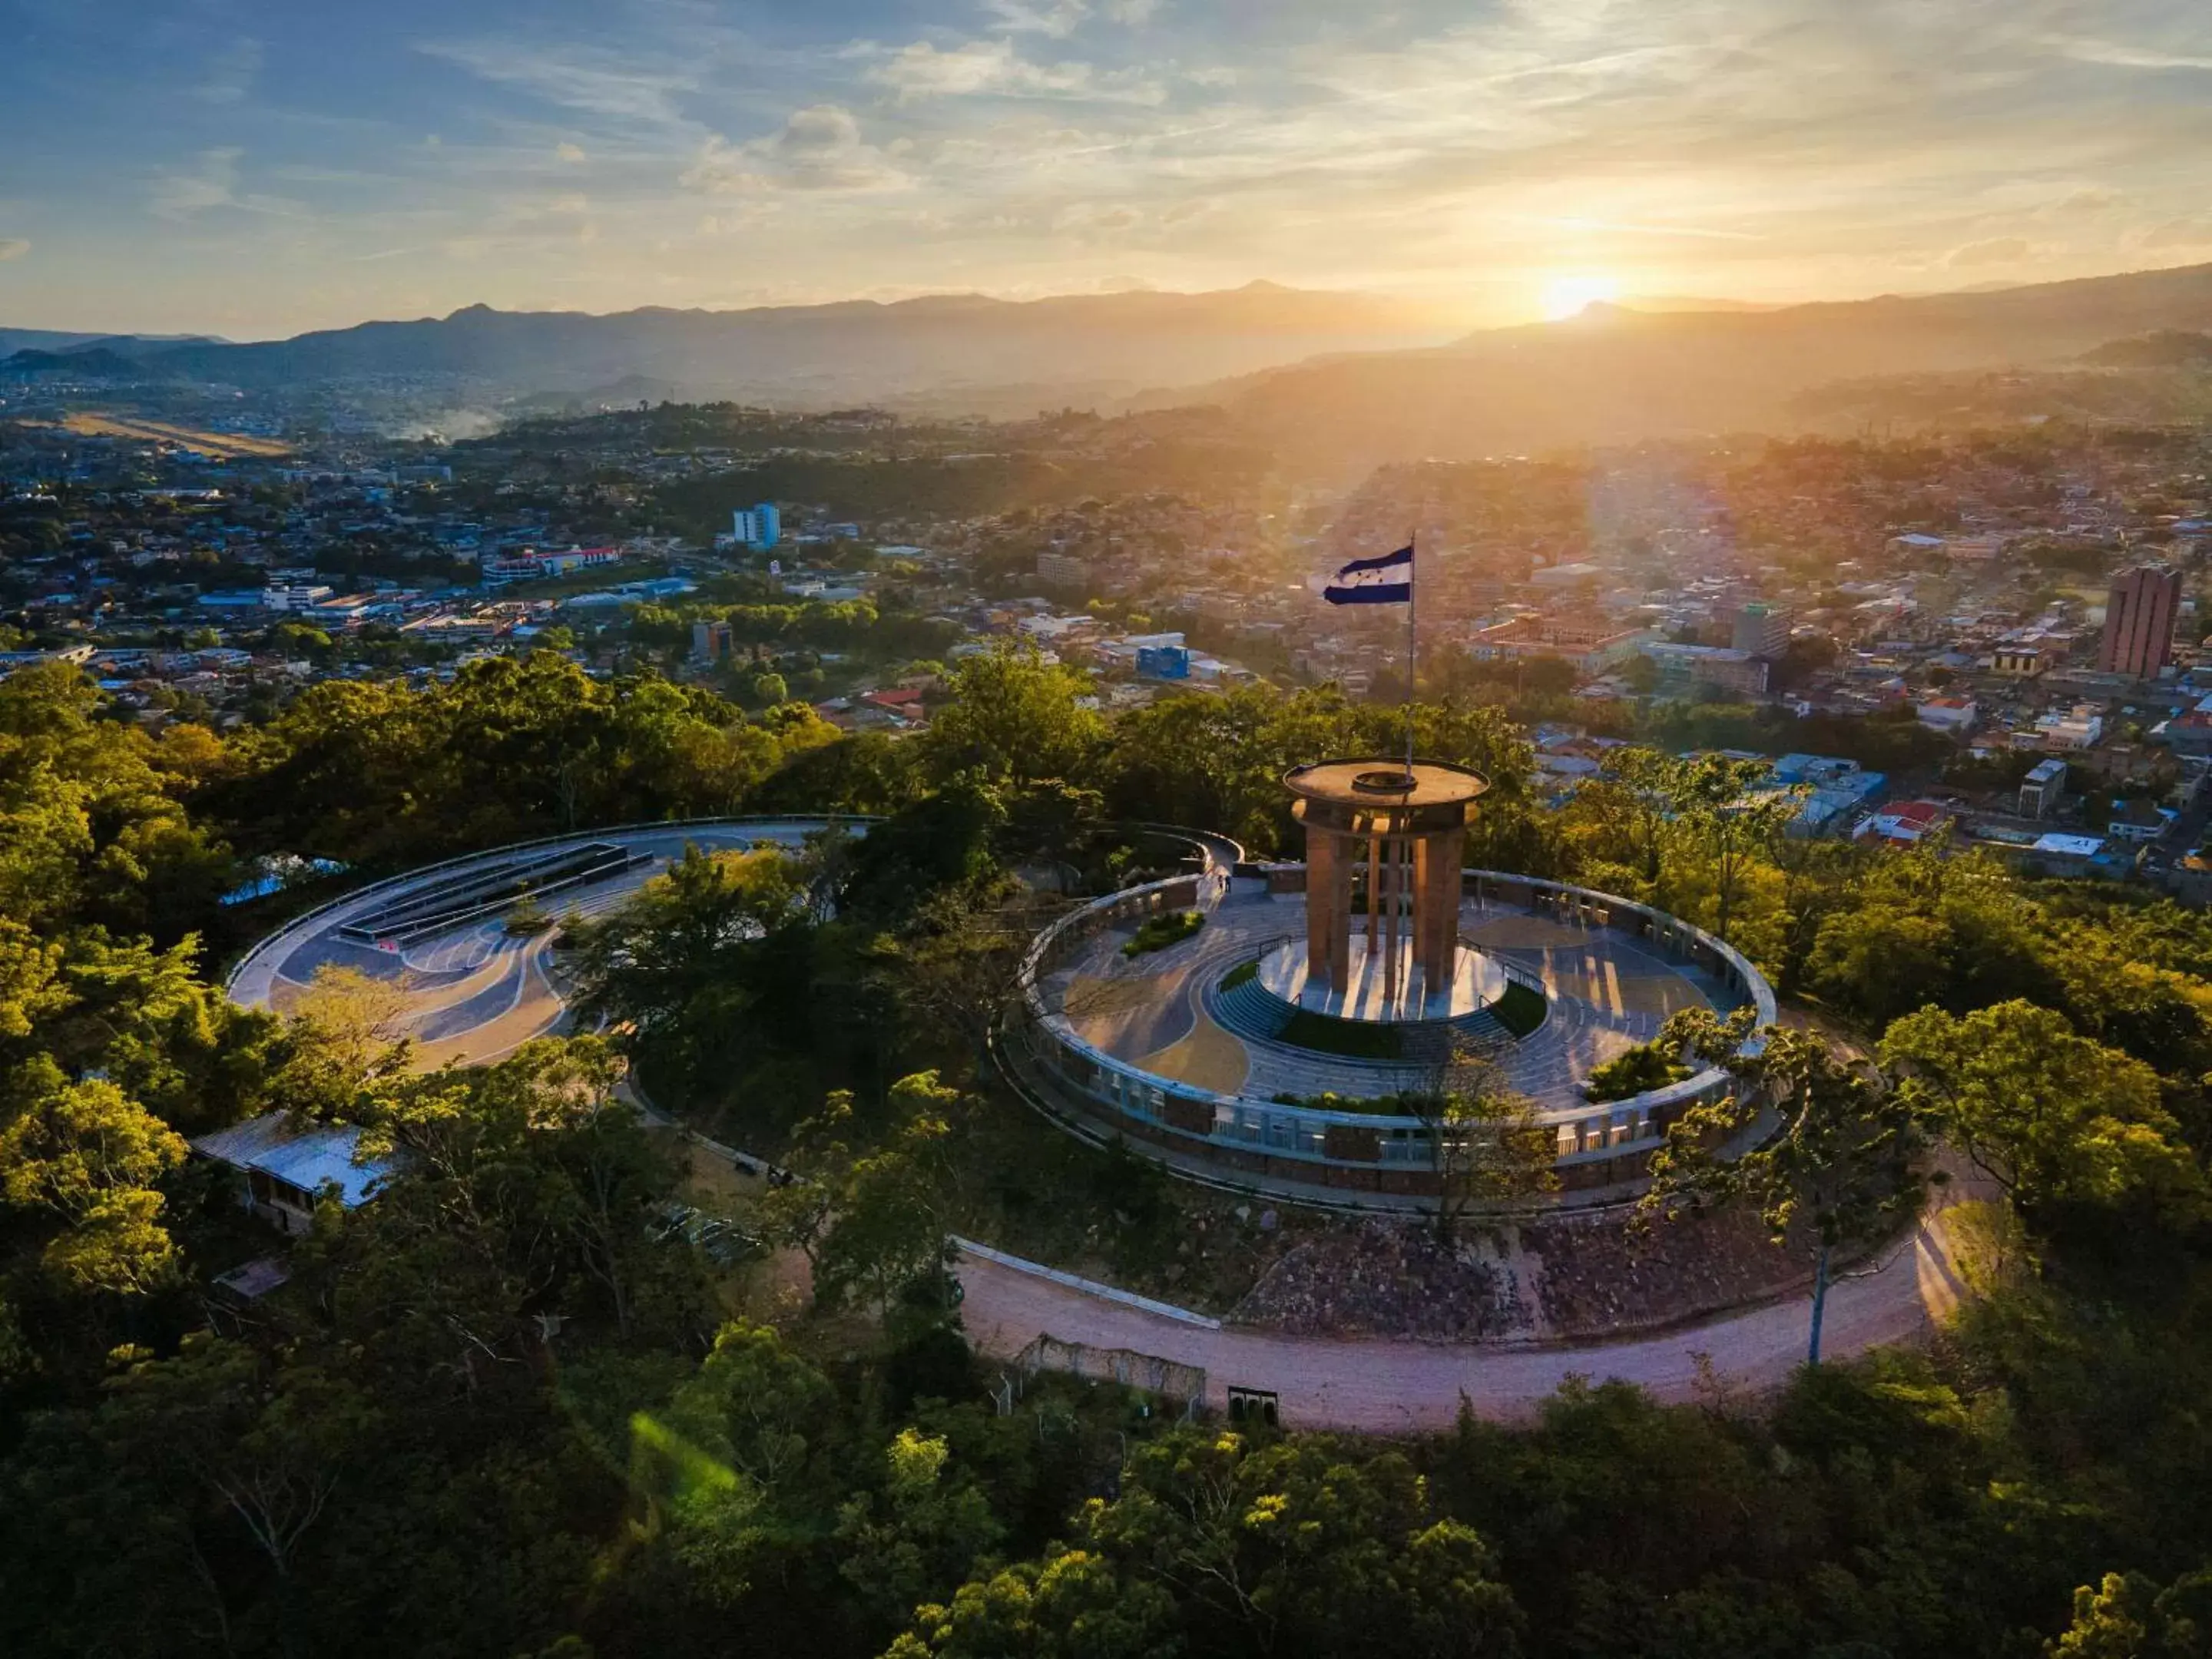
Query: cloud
x=921 y=71
x=1090 y=219
x=1996 y=251
x=2179 y=233
x=568 y=152
x=231 y=73
x=819 y=147
x=1057 y=17
x=627 y=91
x=13 y=247
x=724 y=169
x=210 y=182
x=2117 y=55
x=1134 y=13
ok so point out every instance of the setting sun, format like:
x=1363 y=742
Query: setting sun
x=1565 y=296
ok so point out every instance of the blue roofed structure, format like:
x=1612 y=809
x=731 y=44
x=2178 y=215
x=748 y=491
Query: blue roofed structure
x=285 y=1164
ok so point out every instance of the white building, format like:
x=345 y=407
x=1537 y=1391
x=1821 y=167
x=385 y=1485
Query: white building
x=756 y=527
x=2079 y=728
x=1955 y=715
x=294 y=596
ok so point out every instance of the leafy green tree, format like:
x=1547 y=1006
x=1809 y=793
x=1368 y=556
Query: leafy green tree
x=1013 y=716
x=262 y=1451
x=757 y=1408
x=733 y=1471
x=927 y=1529
x=2051 y=1115
x=346 y=1036
x=1294 y=1547
x=2128 y=1616
x=1487 y=1145
x=543 y=1188
x=87 y=1156
x=704 y=960
x=1840 y=1166
x=869 y=1219
x=1073 y=1605
x=1719 y=805
x=956 y=964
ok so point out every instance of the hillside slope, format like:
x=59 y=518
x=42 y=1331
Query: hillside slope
x=856 y=351
x=1615 y=375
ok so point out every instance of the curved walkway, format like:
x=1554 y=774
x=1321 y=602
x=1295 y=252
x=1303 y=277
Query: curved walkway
x=476 y=993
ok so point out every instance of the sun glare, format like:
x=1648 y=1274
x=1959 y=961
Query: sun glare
x=1565 y=296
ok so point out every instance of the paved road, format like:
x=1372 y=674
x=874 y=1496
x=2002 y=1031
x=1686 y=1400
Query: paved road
x=1385 y=1387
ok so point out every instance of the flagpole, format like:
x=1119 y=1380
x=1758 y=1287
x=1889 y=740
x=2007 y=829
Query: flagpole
x=1413 y=604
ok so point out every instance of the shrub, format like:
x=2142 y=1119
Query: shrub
x=1647 y=1065
x=1163 y=931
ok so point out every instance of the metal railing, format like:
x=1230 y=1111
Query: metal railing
x=1589 y=1131
x=353 y=895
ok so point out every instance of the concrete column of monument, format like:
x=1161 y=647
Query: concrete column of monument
x=1409 y=828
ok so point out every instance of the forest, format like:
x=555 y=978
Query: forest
x=505 y=1409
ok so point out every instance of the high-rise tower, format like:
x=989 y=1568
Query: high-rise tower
x=2139 y=622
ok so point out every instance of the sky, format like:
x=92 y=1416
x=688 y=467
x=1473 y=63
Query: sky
x=254 y=169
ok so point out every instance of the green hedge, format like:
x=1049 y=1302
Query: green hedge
x=1520 y=1011
x=1354 y=1039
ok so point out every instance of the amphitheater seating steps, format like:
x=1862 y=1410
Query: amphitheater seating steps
x=1249 y=1010
x=1250 y=1013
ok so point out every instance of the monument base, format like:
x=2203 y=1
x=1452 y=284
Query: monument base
x=1476 y=982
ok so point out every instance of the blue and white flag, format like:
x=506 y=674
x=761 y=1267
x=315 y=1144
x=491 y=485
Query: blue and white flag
x=1387 y=580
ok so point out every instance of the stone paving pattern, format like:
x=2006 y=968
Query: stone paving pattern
x=1608 y=988
x=475 y=992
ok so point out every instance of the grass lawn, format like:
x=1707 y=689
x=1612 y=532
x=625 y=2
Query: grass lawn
x=1520 y=1011
x=1352 y=1038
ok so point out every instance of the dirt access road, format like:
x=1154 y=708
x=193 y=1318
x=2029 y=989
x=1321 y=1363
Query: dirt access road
x=1385 y=1387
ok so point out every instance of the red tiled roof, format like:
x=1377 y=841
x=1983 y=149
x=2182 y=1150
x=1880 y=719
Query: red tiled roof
x=1924 y=814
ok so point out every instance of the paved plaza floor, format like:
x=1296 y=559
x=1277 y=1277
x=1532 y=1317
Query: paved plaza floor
x=475 y=992
x=1607 y=989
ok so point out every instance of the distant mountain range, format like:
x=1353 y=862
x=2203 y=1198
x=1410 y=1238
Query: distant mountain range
x=1614 y=375
x=953 y=348
x=91 y=362
x=1327 y=379
x=12 y=340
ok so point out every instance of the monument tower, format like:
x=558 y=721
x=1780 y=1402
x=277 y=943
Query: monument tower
x=1399 y=830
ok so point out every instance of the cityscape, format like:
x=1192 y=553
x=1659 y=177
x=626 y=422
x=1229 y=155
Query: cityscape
x=1105 y=829
x=1961 y=611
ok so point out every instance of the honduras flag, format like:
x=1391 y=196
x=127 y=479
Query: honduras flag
x=1388 y=580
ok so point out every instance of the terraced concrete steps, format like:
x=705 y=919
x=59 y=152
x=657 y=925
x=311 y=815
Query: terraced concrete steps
x=1248 y=1011
x=1253 y=1013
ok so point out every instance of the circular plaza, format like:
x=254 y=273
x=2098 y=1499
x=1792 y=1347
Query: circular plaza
x=474 y=989
x=1262 y=1025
